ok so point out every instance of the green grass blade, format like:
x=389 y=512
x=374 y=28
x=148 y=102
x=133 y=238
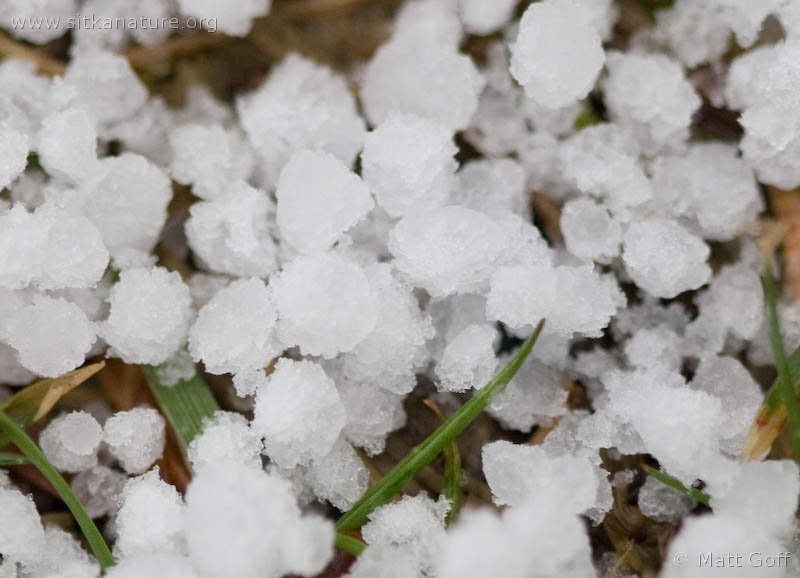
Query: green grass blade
x=697 y=495
x=349 y=544
x=186 y=405
x=426 y=452
x=29 y=448
x=774 y=397
x=8 y=459
x=785 y=384
x=451 y=485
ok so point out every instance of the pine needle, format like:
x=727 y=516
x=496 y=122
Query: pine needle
x=426 y=452
x=187 y=405
x=31 y=451
x=697 y=495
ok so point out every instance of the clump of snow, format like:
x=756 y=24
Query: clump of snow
x=71 y=441
x=408 y=164
x=231 y=18
x=319 y=198
x=98 y=489
x=135 y=438
x=150 y=314
x=298 y=413
x=225 y=438
x=662 y=503
x=558 y=53
x=469 y=360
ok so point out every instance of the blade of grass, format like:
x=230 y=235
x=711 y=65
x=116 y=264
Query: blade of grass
x=782 y=365
x=349 y=544
x=424 y=453
x=697 y=495
x=186 y=405
x=8 y=459
x=451 y=485
x=29 y=448
x=772 y=415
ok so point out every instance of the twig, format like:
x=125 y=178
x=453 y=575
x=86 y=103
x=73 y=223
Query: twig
x=144 y=55
x=10 y=48
x=307 y=9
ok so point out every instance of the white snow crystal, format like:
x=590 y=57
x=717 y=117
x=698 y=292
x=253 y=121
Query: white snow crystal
x=71 y=441
x=447 y=250
x=408 y=163
x=51 y=336
x=319 y=198
x=233 y=234
x=67 y=144
x=235 y=330
x=98 y=489
x=232 y=18
x=325 y=304
x=664 y=258
x=135 y=437
x=662 y=503
x=225 y=438
x=14 y=149
x=649 y=95
x=150 y=518
x=558 y=53
x=298 y=413
x=301 y=105
x=22 y=536
x=469 y=360
x=590 y=232
x=151 y=311
x=481 y=17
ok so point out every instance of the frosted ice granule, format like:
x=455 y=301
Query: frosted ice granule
x=71 y=441
x=135 y=437
x=67 y=144
x=319 y=198
x=557 y=54
x=234 y=18
x=590 y=232
x=469 y=360
x=150 y=314
x=225 y=438
x=325 y=304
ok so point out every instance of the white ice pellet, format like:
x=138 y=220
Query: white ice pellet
x=105 y=85
x=135 y=438
x=469 y=360
x=480 y=17
x=244 y=522
x=325 y=304
x=56 y=11
x=664 y=258
x=162 y=565
x=319 y=198
x=67 y=144
x=71 y=441
x=298 y=412
x=727 y=379
x=126 y=199
x=447 y=250
x=301 y=105
x=649 y=95
x=590 y=232
x=557 y=54
x=209 y=157
x=151 y=311
x=150 y=519
x=517 y=472
x=235 y=330
x=710 y=185
x=493 y=186
x=389 y=356
x=663 y=503
x=233 y=234
x=407 y=75
x=98 y=489
x=51 y=336
x=372 y=414
x=231 y=18
x=602 y=161
x=14 y=149
x=656 y=346
x=61 y=556
x=408 y=163
x=413 y=524
x=535 y=395
x=225 y=438
x=340 y=477
x=22 y=535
